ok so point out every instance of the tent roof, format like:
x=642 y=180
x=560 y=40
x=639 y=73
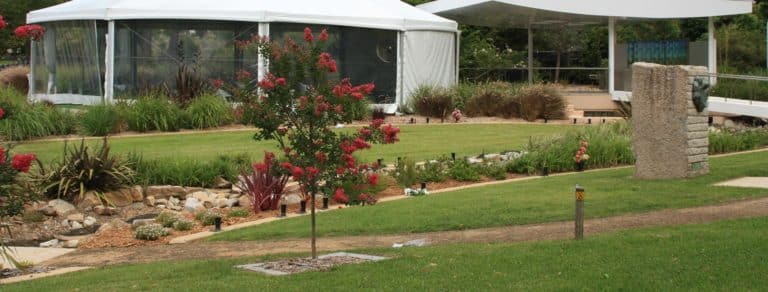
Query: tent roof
x=379 y=14
x=522 y=13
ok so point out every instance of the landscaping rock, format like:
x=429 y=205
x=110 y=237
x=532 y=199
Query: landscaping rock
x=137 y=193
x=161 y=202
x=48 y=211
x=292 y=199
x=164 y=192
x=208 y=204
x=232 y=202
x=175 y=208
x=71 y=243
x=150 y=201
x=202 y=196
x=105 y=211
x=50 y=243
x=140 y=222
x=221 y=183
x=244 y=201
x=221 y=202
x=192 y=190
x=78 y=217
x=234 y=196
x=65 y=223
x=89 y=200
x=120 y=198
x=160 y=206
x=61 y=207
x=174 y=201
x=192 y=204
x=75 y=225
x=89 y=221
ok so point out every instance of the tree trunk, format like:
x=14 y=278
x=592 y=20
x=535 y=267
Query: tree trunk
x=557 y=69
x=314 y=230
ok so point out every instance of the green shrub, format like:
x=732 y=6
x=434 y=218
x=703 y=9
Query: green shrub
x=167 y=218
x=725 y=141
x=742 y=89
x=461 y=93
x=82 y=170
x=494 y=171
x=361 y=111
x=207 y=217
x=150 y=232
x=154 y=114
x=242 y=213
x=432 y=102
x=208 y=111
x=488 y=97
x=100 y=120
x=24 y=121
x=433 y=171
x=187 y=171
x=183 y=225
x=609 y=145
x=461 y=170
x=541 y=101
x=405 y=173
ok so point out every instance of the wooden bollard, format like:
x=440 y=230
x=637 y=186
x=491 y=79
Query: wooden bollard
x=579 y=212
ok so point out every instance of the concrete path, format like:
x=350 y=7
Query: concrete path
x=746 y=182
x=35 y=255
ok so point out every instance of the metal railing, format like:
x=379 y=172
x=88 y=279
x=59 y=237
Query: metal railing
x=592 y=79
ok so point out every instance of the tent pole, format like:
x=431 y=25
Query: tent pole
x=109 y=78
x=32 y=64
x=530 y=54
x=263 y=62
x=712 y=50
x=611 y=55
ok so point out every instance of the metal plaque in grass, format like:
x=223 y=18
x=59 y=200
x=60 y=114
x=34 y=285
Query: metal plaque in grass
x=300 y=265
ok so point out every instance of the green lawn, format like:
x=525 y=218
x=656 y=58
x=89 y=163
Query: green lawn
x=418 y=142
x=609 y=193
x=722 y=256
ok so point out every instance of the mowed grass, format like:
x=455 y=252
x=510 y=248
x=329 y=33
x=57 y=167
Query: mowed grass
x=721 y=256
x=417 y=141
x=608 y=193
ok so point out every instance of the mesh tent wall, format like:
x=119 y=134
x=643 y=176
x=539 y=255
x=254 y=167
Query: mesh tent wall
x=140 y=44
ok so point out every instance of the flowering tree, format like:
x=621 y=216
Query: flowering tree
x=14 y=191
x=33 y=32
x=297 y=103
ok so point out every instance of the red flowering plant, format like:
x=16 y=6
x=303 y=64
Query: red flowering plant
x=15 y=189
x=3 y=23
x=33 y=32
x=581 y=154
x=297 y=104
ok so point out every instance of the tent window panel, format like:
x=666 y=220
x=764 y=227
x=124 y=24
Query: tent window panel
x=149 y=54
x=364 y=55
x=70 y=59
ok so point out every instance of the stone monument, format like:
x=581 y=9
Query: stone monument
x=670 y=132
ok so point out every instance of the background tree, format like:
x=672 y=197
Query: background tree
x=15 y=13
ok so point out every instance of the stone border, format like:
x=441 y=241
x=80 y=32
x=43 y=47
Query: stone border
x=201 y=235
x=259 y=267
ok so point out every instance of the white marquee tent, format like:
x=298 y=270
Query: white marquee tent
x=536 y=14
x=97 y=50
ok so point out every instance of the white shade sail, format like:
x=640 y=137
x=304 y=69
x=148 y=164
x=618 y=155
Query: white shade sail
x=378 y=14
x=521 y=13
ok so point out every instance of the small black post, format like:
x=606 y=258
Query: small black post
x=574 y=121
x=423 y=185
x=603 y=121
x=412 y=121
x=579 y=212
x=303 y=209
x=427 y=120
x=217 y=224
x=453 y=156
x=379 y=162
x=710 y=121
x=283 y=210
x=545 y=171
x=546 y=120
x=325 y=203
x=399 y=160
x=589 y=121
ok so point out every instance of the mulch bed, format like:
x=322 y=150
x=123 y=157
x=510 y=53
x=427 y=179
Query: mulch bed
x=300 y=265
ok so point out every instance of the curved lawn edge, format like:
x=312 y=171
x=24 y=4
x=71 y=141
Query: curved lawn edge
x=609 y=193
